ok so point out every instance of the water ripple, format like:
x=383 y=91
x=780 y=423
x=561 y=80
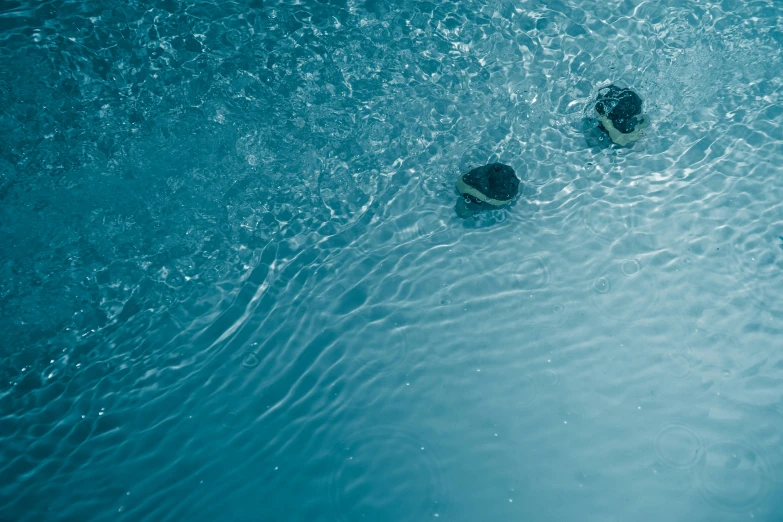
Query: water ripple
x=733 y=477
x=678 y=446
x=386 y=452
x=624 y=298
x=230 y=231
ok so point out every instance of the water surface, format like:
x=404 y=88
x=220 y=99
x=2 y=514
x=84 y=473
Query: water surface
x=233 y=285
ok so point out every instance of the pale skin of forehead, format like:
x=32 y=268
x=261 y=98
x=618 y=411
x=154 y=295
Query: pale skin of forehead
x=617 y=136
x=464 y=188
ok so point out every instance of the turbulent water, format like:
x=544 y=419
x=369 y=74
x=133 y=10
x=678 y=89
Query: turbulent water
x=233 y=285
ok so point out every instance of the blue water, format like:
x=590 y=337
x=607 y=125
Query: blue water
x=233 y=285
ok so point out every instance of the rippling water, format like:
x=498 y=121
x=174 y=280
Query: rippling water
x=233 y=285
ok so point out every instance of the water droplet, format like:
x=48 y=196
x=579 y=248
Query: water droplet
x=631 y=267
x=250 y=361
x=602 y=285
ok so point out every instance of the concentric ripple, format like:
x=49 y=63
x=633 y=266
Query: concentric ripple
x=622 y=297
x=678 y=446
x=549 y=311
x=385 y=473
x=602 y=285
x=525 y=392
x=609 y=221
x=250 y=360
x=548 y=378
x=733 y=477
x=759 y=256
x=677 y=364
x=529 y=274
x=630 y=267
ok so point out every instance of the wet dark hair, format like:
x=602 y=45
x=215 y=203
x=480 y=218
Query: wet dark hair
x=621 y=106
x=496 y=181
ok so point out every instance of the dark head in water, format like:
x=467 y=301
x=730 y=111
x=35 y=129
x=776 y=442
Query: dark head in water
x=619 y=112
x=490 y=186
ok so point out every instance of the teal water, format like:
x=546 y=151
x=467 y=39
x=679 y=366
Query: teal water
x=233 y=286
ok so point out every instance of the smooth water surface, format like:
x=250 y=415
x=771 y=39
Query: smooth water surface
x=233 y=286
